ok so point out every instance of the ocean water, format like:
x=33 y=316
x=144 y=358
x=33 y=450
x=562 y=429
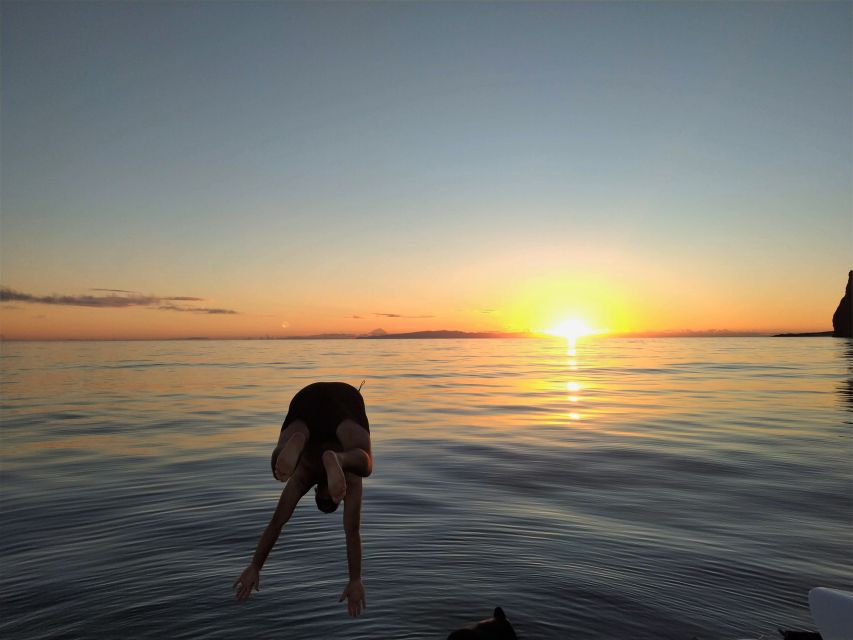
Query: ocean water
x=616 y=488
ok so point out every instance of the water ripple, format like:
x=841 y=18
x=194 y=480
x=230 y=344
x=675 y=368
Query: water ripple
x=644 y=489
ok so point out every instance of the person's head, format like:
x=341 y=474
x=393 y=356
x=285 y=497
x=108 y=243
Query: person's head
x=323 y=499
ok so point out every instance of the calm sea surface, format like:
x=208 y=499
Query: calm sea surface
x=624 y=489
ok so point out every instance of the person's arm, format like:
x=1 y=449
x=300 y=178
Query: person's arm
x=354 y=591
x=290 y=496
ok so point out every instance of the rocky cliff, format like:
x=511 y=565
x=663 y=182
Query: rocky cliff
x=842 y=319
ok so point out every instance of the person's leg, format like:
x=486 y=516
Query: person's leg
x=291 y=442
x=354 y=457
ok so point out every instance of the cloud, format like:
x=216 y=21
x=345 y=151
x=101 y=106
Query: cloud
x=217 y=311
x=397 y=315
x=112 y=301
x=354 y=317
x=136 y=293
x=207 y=310
x=134 y=300
x=113 y=290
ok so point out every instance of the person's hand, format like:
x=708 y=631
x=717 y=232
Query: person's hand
x=354 y=594
x=248 y=579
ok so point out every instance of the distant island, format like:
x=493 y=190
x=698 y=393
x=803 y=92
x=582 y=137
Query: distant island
x=446 y=334
x=439 y=334
x=379 y=334
x=814 y=334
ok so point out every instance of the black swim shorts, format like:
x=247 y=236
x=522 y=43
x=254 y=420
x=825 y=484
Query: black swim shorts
x=322 y=406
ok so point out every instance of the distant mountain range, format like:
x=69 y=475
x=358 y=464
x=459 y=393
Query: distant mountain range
x=380 y=334
x=447 y=334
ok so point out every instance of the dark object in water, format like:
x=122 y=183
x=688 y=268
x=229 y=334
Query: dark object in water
x=800 y=635
x=495 y=628
x=842 y=319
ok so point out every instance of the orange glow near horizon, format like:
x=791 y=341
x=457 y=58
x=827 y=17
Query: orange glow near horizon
x=549 y=299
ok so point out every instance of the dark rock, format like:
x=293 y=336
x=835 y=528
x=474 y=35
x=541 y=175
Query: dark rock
x=842 y=319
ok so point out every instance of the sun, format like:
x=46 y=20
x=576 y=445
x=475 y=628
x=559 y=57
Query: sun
x=571 y=329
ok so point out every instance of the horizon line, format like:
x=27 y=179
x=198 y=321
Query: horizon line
x=458 y=335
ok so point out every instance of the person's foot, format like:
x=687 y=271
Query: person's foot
x=288 y=458
x=335 y=476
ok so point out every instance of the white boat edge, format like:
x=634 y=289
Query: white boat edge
x=832 y=612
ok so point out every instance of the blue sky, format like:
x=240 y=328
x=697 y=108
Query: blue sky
x=254 y=152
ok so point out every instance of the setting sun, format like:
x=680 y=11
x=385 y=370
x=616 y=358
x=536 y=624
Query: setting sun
x=570 y=329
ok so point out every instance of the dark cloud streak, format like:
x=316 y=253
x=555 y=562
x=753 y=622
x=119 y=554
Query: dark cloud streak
x=79 y=301
x=205 y=310
x=111 y=301
x=398 y=315
x=113 y=290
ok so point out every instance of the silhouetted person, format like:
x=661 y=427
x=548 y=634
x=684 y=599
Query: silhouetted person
x=324 y=443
